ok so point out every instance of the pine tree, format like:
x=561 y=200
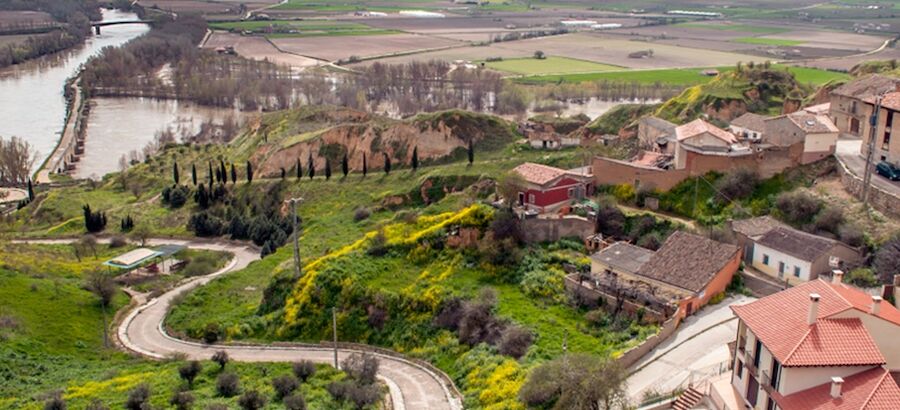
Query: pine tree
x=30 y=191
x=345 y=165
x=233 y=174
x=327 y=169
x=175 y=175
x=249 y=172
x=194 y=174
x=415 y=159
x=471 y=152
x=387 y=164
x=312 y=166
x=365 y=165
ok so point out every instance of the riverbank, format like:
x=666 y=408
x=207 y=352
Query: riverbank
x=65 y=154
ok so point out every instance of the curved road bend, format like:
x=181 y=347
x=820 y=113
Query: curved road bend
x=411 y=386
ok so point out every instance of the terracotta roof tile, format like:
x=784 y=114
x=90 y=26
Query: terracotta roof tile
x=835 y=342
x=819 y=109
x=872 y=389
x=537 y=173
x=799 y=244
x=688 y=261
x=812 y=123
x=751 y=121
x=891 y=100
x=779 y=321
x=699 y=126
x=867 y=87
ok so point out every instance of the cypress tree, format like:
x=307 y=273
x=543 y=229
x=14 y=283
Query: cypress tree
x=249 y=172
x=30 y=191
x=345 y=165
x=387 y=164
x=194 y=174
x=299 y=168
x=327 y=169
x=471 y=152
x=224 y=171
x=175 y=175
x=365 y=165
x=210 y=173
x=415 y=159
x=233 y=174
x=282 y=173
x=312 y=166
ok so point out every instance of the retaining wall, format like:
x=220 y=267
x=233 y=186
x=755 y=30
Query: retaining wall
x=881 y=200
x=548 y=230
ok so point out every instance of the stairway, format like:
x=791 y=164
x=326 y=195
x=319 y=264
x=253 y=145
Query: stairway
x=690 y=398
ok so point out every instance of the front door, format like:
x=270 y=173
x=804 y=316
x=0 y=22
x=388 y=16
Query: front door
x=854 y=126
x=521 y=198
x=752 y=391
x=780 y=270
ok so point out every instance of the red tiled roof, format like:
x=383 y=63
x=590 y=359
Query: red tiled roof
x=779 y=321
x=872 y=389
x=699 y=126
x=891 y=101
x=835 y=342
x=537 y=173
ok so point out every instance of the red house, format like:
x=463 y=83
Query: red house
x=547 y=188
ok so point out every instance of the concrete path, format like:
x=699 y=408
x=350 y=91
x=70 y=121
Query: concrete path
x=698 y=350
x=411 y=385
x=12 y=195
x=847 y=151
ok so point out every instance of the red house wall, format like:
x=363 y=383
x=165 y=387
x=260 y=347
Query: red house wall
x=553 y=195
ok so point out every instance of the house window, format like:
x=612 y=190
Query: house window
x=776 y=374
x=740 y=369
x=757 y=351
x=765 y=259
x=797 y=271
x=530 y=198
x=890 y=119
x=770 y=404
x=886 y=142
x=781 y=267
x=571 y=192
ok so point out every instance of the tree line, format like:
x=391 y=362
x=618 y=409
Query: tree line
x=76 y=15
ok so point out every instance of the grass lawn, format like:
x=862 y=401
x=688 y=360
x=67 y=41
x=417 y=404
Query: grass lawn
x=767 y=41
x=736 y=27
x=552 y=64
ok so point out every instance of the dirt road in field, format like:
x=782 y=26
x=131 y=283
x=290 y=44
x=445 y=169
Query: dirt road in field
x=412 y=385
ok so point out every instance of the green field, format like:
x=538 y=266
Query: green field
x=302 y=28
x=551 y=64
x=683 y=77
x=767 y=41
x=736 y=27
x=51 y=339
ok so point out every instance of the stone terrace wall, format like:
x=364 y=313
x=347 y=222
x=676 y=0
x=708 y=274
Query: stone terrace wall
x=881 y=200
x=548 y=230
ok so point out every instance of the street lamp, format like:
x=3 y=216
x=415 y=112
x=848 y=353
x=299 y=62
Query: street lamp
x=294 y=203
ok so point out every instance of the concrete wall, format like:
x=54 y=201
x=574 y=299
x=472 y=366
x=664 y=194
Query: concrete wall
x=544 y=230
x=631 y=356
x=795 y=379
x=592 y=296
x=881 y=200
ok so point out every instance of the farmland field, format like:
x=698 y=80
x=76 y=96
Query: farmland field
x=257 y=48
x=679 y=77
x=303 y=28
x=767 y=41
x=343 y=47
x=735 y=27
x=531 y=66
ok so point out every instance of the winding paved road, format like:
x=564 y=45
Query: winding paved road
x=411 y=385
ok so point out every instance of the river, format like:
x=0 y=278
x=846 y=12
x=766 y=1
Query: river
x=32 y=105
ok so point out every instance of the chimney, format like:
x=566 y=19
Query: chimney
x=838 y=276
x=896 y=280
x=876 y=305
x=813 y=308
x=836 y=383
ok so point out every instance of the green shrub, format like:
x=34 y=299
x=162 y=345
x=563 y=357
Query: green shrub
x=862 y=277
x=624 y=193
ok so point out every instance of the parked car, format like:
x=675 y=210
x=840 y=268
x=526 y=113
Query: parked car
x=888 y=170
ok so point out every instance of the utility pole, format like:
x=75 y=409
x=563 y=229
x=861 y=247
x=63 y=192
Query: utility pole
x=294 y=203
x=334 y=333
x=870 y=153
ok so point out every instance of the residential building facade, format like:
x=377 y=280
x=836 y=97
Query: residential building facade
x=546 y=188
x=795 y=256
x=852 y=106
x=817 y=346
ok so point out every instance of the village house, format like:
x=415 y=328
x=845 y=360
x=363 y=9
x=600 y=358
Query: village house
x=683 y=275
x=547 y=189
x=656 y=135
x=817 y=134
x=701 y=137
x=544 y=136
x=820 y=345
x=852 y=105
x=749 y=126
x=796 y=256
x=747 y=231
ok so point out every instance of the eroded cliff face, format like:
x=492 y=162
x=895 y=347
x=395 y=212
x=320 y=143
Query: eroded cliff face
x=357 y=134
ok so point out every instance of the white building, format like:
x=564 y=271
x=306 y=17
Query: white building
x=795 y=256
x=819 y=345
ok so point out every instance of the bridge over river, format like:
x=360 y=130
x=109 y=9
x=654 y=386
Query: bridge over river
x=97 y=24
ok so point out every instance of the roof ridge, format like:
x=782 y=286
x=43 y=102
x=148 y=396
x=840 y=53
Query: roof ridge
x=874 y=390
x=831 y=288
x=799 y=343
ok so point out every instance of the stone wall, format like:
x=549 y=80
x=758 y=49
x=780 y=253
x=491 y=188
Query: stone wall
x=547 y=230
x=883 y=201
x=591 y=297
x=633 y=355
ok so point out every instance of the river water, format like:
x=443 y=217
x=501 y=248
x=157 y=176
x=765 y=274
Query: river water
x=32 y=105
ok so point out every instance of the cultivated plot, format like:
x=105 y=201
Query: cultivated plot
x=258 y=48
x=343 y=47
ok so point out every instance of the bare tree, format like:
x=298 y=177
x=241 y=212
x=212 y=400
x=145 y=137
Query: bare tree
x=16 y=159
x=101 y=284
